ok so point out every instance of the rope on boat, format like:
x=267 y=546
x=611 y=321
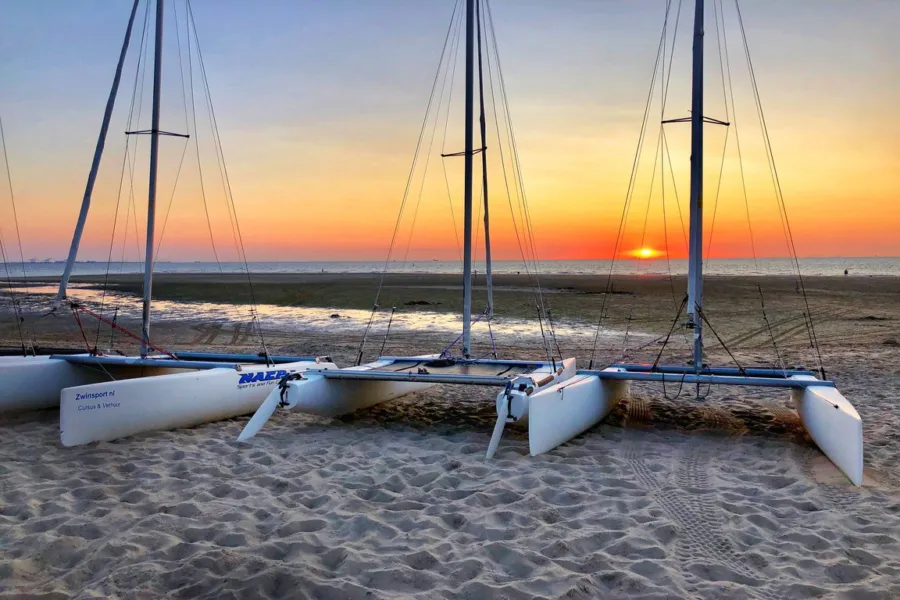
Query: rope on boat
x=446 y=352
x=712 y=225
x=493 y=345
x=454 y=46
x=409 y=181
x=778 y=189
x=388 y=331
x=629 y=192
x=20 y=320
x=78 y=307
x=362 y=342
x=724 y=346
x=518 y=181
x=136 y=98
x=454 y=52
x=223 y=172
x=553 y=334
x=663 y=147
x=762 y=305
x=541 y=323
x=668 y=335
x=81 y=328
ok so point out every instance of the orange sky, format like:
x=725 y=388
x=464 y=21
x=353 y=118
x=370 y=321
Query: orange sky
x=318 y=165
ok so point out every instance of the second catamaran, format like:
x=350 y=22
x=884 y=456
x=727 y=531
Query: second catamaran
x=336 y=392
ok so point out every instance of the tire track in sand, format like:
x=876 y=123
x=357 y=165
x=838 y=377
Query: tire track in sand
x=688 y=500
x=206 y=334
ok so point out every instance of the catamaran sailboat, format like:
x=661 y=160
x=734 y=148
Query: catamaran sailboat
x=336 y=392
x=105 y=397
x=831 y=421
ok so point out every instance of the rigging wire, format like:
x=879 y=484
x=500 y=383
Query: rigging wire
x=409 y=181
x=15 y=302
x=428 y=153
x=229 y=196
x=663 y=149
x=712 y=225
x=187 y=128
x=518 y=181
x=631 y=183
x=136 y=98
x=662 y=161
x=454 y=52
x=190 y=120
x=778 y=189
x=512 y=212
x=737 y=138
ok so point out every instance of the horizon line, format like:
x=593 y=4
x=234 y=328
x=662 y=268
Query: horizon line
x=33 y=261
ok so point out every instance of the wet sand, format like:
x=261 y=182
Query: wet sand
x=667 y=498
x=745 y=312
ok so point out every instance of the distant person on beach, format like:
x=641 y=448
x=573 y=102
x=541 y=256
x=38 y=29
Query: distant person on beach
x=846 y=272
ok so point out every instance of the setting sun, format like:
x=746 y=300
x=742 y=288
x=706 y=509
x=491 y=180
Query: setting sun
x=646 y=253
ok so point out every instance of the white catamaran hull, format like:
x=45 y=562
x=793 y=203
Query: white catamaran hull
x=35 y=382
x=316 y=395
x=115 y=409
x=559 y=412
x=833 y=424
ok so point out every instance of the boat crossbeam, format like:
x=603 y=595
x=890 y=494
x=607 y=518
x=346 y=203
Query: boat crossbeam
x=452 y=378
x=479 y=361
x=739 y=380
x=129 y=361
x=749 y=371
x=248 y=358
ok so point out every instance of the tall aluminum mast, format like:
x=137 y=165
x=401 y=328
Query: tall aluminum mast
x=695 y=259
x=467 y=226
x=151 y=199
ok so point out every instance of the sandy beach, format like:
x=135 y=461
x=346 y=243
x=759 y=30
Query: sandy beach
x=724 y=497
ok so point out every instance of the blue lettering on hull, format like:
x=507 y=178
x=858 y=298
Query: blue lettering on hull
x=98 y=406
x=261 y=377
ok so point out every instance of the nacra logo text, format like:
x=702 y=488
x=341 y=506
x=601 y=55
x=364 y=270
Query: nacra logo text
x=262 y=376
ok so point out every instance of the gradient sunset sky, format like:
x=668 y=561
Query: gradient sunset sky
x=319 y=104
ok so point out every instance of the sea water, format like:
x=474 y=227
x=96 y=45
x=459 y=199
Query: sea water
x=660 y=266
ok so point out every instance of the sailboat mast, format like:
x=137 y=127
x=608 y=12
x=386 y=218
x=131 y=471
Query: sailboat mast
x=484 y=175
x=467 y=226
x=95 y=165
x=151 y=198
x=695 y=259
